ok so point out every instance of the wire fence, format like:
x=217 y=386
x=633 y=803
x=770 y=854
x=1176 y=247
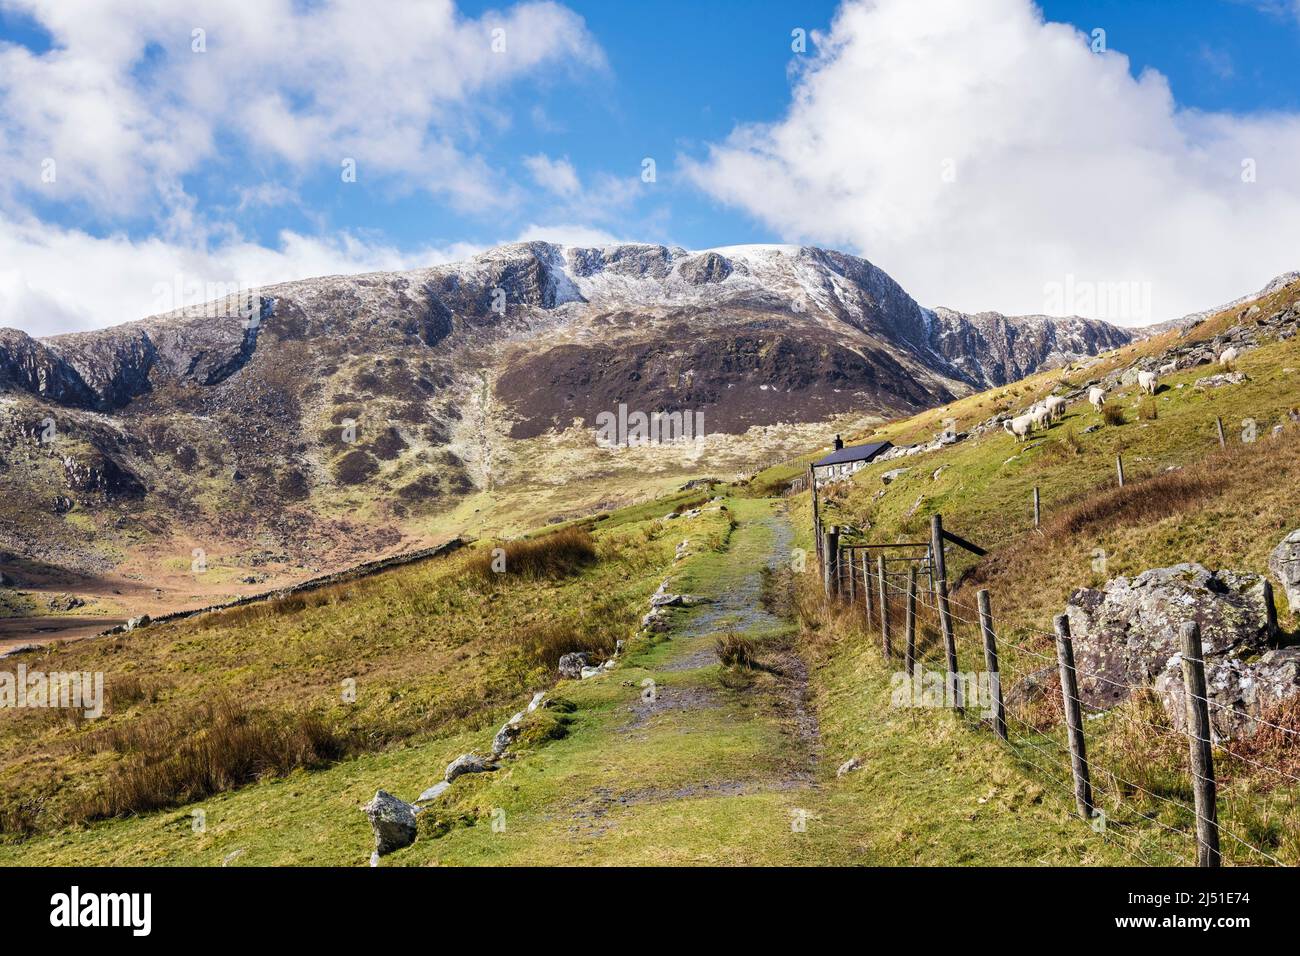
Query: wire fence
x=1153 y=822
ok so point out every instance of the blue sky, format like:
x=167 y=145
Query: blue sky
x=164 y=166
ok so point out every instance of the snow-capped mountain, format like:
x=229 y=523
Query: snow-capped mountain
x=233 y=416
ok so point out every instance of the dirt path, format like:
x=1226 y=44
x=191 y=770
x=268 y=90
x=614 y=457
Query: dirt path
x=675 y=758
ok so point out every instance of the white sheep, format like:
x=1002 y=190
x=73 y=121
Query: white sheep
x=1020 y=426
x=1148 y=382
x=1055 y=405
x=1041 y=414
x=1168 y=368
x=1229 y=355
x=1097 y=397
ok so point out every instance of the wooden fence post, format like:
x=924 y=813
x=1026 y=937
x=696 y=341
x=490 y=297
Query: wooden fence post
x=991 y=662
x=1198 y=736
x=1073 y=717
x=909 y=625
x=852 y=579
x=866 y=586
x=1037 y=507
x=940 y=567
x=830 y=566
x=1218 y=425
x=884 y=608
x=1119 y=469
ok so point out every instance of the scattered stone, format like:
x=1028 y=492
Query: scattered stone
x=1222 y=379
x=538 y=698
x=1284 y=562
x=135 y=622
x=592 y=672
x=1032 y=687
x=850 y=765
x=1095 y=427
x=468 y=763
x=434 y=792
x=392 y=820
x=656 y=621
x=19 y=649
x=507 y=734
x=893 y=474
x=571 y=664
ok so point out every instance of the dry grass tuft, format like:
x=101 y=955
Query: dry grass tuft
x=1276 y=746
x=1137 y=502
x=210 y=749
x=550 y=556
x=735 y=650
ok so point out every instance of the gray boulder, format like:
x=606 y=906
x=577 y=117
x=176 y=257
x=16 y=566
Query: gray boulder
x=507 y=734
x=1127 y=636
x=656 y=621
x=571 y=664
x=1222 y=379
x=1284 y=562
x=468 y=763
x=393 y=821
x=434 y=792
x=1238 y=691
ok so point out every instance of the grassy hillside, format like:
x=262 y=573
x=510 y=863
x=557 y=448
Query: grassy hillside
x=418 y=649
x=724 y=766
x=759 y=694
x=1185 y=499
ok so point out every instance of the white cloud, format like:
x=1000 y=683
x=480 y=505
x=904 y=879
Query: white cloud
x=126 y=108
x=554 y=175
x=568 y=234
x=1061 y=165
x=55 y=280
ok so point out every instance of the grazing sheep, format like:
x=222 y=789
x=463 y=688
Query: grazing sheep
x=1020 y=426
x=1097 y=397
x=1055 y=405
x=1148 y=382
x=1167 y=369
x=1229 y=355
x=1041 y=415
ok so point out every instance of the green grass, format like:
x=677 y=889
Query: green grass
x=720 y=769
x=718 y=782
x=429 y=646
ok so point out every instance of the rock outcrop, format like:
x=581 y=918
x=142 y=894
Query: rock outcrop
x=1126 y=636
x=1284 y=562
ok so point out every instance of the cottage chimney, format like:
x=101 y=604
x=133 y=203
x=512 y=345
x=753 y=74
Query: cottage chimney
x=839 y=443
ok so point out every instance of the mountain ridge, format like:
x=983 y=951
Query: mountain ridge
x=301 y=426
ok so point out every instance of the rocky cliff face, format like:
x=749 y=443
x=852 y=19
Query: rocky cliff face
x=261 y=415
